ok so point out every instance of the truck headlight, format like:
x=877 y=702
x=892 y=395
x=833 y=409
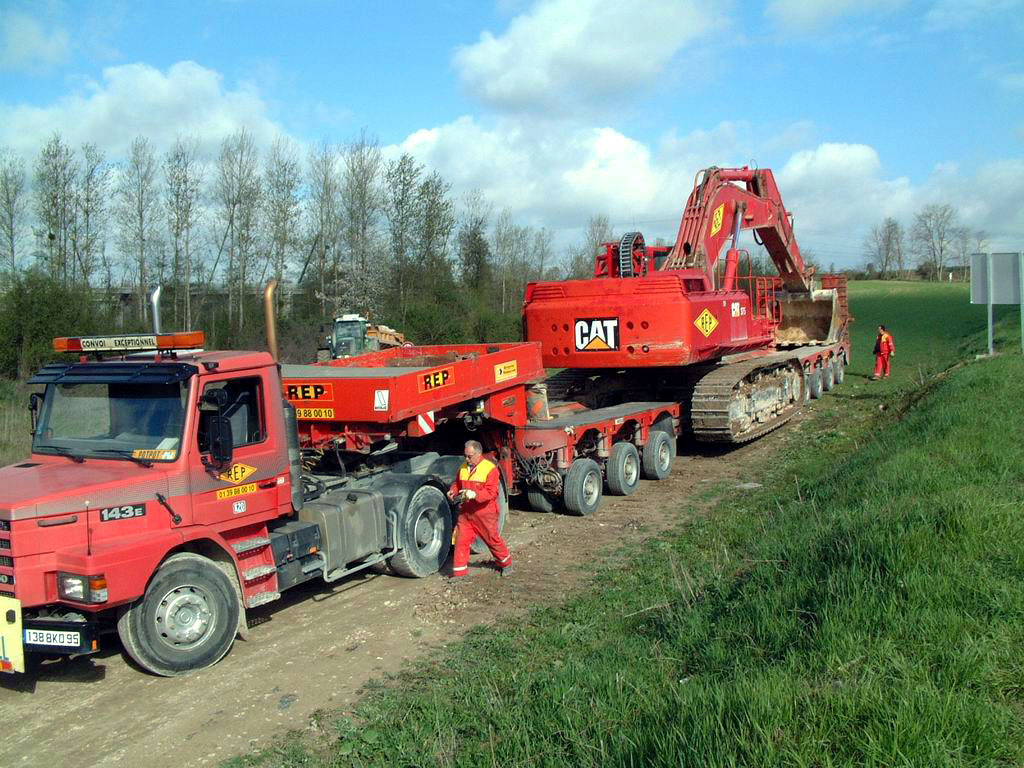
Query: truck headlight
x=82 y=589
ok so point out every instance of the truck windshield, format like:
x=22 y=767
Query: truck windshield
x=131 y=421
x=348 y=338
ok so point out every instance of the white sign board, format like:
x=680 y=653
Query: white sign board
x=1006 y=278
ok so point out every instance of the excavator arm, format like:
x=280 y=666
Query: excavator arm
x=718 y=209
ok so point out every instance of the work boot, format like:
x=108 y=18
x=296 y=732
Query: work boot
x=506 y=571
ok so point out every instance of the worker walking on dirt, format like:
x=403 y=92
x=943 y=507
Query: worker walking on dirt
x=477 y=486
x=883 y=351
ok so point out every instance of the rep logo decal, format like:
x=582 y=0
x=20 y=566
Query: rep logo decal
x=309 y=392
x=716 y=219
x=706 y=323
x=597 y=334
x=438 y=379
x=236 y=473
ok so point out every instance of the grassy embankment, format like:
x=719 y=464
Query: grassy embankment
x=865 y=608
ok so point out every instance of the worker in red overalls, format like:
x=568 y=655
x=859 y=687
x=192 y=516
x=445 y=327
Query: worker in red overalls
x=477 y=486
x=883 y=351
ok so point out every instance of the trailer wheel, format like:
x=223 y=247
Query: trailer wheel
x=540 y=501
x=424 y=534
x=478 y=547
x=186 y=620
x=582 y=488
x=657 y=456
x=838 y=370
x=814 y=385
x=664 y=424
x=623 y=469
x=828 y=377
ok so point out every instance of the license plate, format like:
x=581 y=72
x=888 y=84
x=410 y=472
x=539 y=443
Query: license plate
x=46 y=637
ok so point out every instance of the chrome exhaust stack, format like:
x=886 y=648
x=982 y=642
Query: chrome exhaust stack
x=271 y=319
x=154 y=300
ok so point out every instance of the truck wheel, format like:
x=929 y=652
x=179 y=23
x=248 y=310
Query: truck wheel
x=186 y=620
x=539 y=501
x=582 y=491
x=838 y=370
x=828 y=377
x=657 y=455
x=424 y=534
x=623 y=469
x=814 y=385
x=664 y=424
x=478 y=547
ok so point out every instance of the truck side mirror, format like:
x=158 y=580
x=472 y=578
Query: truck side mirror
x=216 y=398
x=34 y=401
x=221 y=440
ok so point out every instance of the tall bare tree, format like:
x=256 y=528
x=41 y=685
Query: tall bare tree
x=138 y=210
x=282 y=181
x=13 y=206
x=182 y=185
x=324 y=214
x=238 y=191
x=932 y=237
x=401 y=181
x=55 y=204
x=92 y=196
x=884 y=247
x=362 y=203
x=581 y=257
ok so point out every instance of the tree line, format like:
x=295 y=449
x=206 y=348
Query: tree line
x=936 y=244
x=83 y=239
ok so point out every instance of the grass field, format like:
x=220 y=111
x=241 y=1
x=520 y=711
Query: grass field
x=865 y=608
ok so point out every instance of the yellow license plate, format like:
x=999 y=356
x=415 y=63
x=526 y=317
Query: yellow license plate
x=12 y=654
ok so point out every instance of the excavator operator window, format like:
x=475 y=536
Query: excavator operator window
x=242 y=409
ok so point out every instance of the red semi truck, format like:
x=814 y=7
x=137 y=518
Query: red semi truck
x=171 y=489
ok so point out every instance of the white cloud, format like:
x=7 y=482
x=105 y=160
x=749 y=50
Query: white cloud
x=186 y=99
x=564 y=55
x=26 y=45
x=806 y=15
x=957 y=14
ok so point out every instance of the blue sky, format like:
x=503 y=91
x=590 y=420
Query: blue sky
x=561 y=109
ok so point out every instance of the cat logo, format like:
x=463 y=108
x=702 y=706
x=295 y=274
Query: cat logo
x=597 y=334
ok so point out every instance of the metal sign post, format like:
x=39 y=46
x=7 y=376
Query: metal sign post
x=988 y=296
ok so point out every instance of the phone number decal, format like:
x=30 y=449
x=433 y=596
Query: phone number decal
x=314 y=413
x=238 y=490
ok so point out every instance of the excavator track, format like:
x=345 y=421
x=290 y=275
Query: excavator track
x=738 y=402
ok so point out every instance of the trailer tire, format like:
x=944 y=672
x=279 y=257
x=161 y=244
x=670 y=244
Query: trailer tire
x=478 y=547
x=540 y=501
x=623 y=469
x=186 y=620
x=582 y=489
x=664 y=424
x=828 y=377
x=657 y=455
x=814 y=385
x=424 y=534
x=838 y=370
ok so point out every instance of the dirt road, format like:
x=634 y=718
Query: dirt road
x=319 y=645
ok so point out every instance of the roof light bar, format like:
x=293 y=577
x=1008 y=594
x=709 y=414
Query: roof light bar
x=140 y=342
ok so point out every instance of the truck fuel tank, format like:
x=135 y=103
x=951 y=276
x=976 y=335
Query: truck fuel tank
x=352 y=522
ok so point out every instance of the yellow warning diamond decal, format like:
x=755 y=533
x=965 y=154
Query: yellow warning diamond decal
x=716 y=221
x=236 y=473
x=706 y=323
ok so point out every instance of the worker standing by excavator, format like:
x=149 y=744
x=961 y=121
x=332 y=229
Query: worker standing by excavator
x=883 y=351
x=478 y=485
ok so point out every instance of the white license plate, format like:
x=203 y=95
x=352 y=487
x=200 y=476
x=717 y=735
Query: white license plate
x=45 y=637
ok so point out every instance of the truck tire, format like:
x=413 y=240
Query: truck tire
x=424 y=534
x=814 y=385
x=664 y=424
x=540 y=501
x=838 y=370
x=186 y=620
x=623 y=469
x=828 y=377
x=478 y=547
x=582 y=489
x=657 y=456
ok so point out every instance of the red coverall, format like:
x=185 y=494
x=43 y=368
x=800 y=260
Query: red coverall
x=883 y=350
x=479 y=516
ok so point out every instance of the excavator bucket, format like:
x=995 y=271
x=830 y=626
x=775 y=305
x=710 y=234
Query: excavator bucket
x=809 y=318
